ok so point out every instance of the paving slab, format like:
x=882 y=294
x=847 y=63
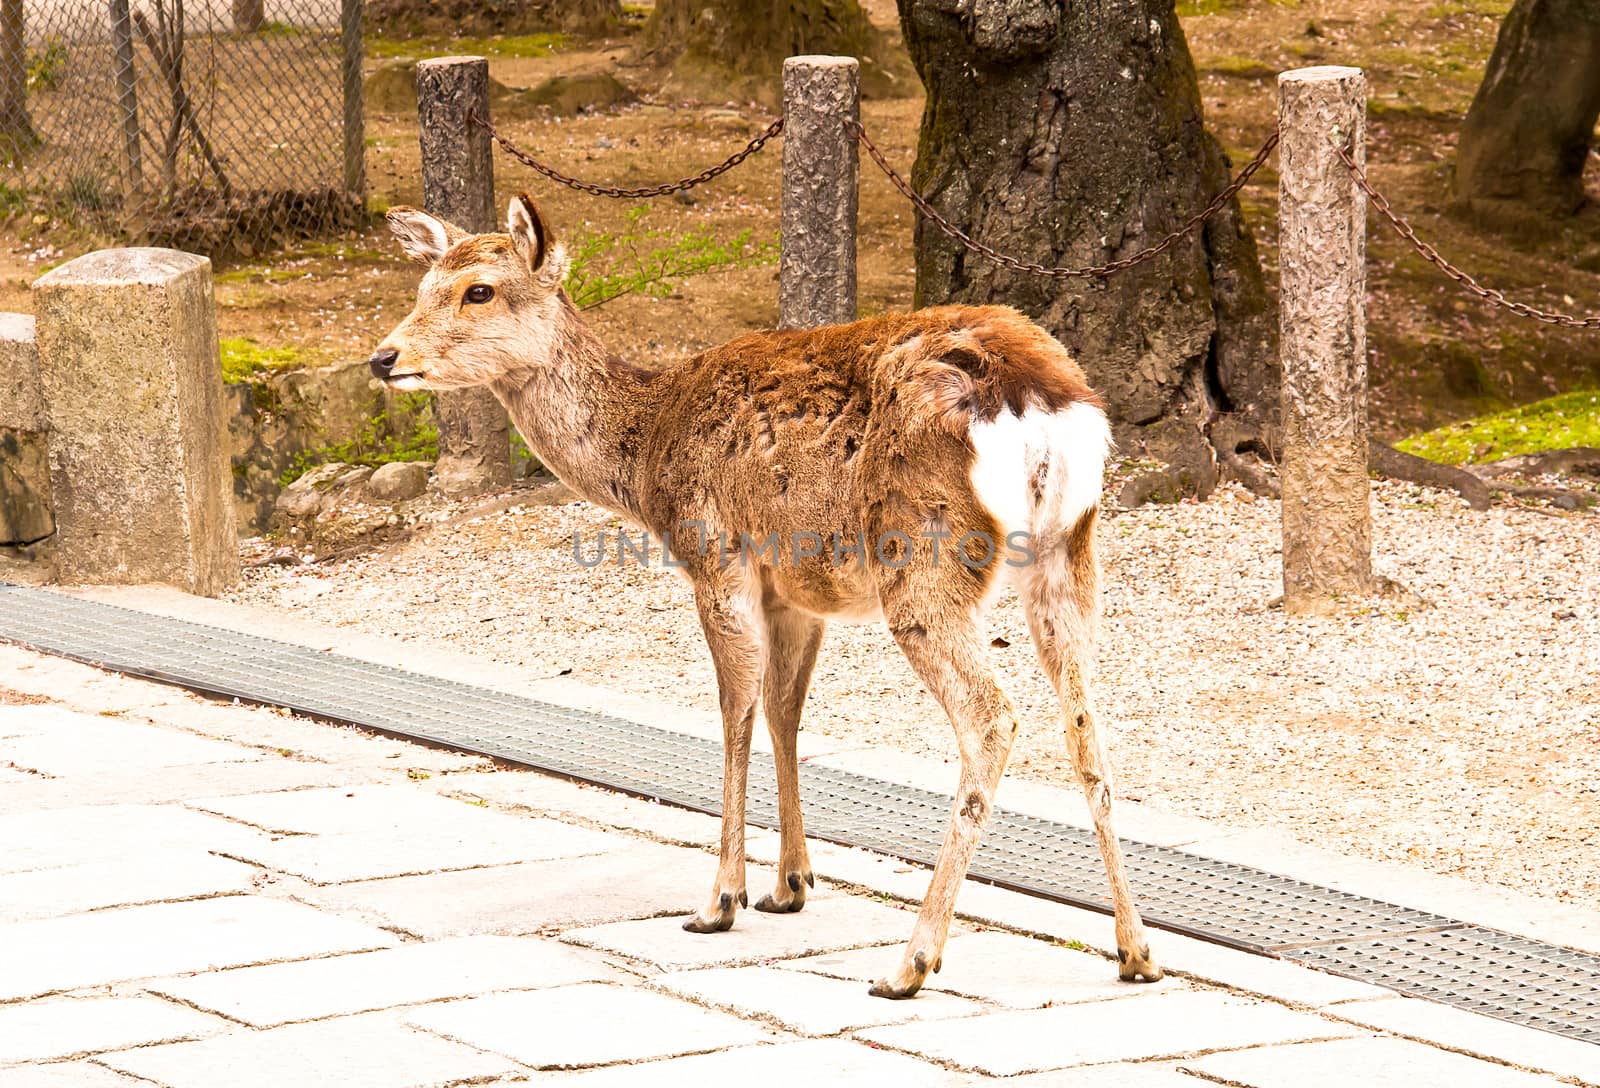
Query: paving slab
x=805 y=1003
x=336 y=859
x=1458 y=1029
x=150 y=877
x=638 y=880
x=363 y=982
x=90 y=833
x=374 y=1051
x=43 y=957
x=55 y=741
x=68 y=1075
x=1120 y=1075
x=814 y=1061
x=829 y=922
x=351 y=809
x=173 y=784
x=1371 y=1063
x=72 y=1027
x=590 y=1024
x=1016 y=972
x=1136 y=1029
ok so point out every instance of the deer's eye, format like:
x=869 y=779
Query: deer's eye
x=479 y=292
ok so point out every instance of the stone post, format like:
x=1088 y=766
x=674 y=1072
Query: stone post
x=817 y=265
x=458 y=185
x=132 y=382
x=1327 y=526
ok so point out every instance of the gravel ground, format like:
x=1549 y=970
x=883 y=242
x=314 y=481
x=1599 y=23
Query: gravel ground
x=1461 y=734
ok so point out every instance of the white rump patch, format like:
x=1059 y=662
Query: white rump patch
x=1070 y=446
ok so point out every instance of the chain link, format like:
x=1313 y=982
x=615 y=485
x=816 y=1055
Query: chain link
x=628 y=194
x=956 y=234
x=1431 y=255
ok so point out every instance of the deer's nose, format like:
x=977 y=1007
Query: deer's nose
x=382 y=361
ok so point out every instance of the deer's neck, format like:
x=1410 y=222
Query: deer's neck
x=583 y=414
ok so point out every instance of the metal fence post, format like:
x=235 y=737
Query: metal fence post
x=1327 y=524
x=458 y=185
x=355 y=129
x=817 y=265
x=127 y=104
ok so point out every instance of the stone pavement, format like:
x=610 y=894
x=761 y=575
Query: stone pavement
x=202 y=895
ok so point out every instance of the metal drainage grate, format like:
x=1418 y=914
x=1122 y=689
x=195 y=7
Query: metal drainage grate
x=1410 y=951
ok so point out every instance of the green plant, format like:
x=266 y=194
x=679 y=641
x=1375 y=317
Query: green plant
x=1572 y=419
x=404 y=432
x=651 y=262
x=47 y=67
x=87 y=190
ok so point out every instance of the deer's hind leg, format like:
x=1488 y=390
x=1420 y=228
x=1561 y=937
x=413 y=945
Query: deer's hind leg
x=1060 y=593
x=940 y=634
x=792 y=638
x=730 y=618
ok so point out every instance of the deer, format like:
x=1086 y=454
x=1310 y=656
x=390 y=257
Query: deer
x=957 y=426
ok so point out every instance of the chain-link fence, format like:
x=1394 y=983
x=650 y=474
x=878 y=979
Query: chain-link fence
x=205 y=125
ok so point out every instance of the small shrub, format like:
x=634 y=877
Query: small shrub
x=652 y=262
x=405 y=433
x=47 y=67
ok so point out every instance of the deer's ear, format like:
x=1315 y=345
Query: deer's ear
x=533 y=238
x=423 y=237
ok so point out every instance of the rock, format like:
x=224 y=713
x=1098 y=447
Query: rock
x=399 y=481
x=318 y=491
x=565 y=96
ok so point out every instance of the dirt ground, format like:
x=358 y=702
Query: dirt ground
x=1436 y=355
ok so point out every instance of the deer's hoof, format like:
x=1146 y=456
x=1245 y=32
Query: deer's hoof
x=905 y=982
x=790 y=896
x=717 y=918
x=1137 y=968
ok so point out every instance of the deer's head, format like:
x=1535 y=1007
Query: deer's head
x=489 y=303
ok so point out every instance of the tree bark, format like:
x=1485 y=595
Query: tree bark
x=16 y=127
x=1527 y=135
x=1072 y=134
x=708 y=40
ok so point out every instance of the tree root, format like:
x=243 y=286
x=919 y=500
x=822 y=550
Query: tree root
x=1579 y=460
x=1390 y=462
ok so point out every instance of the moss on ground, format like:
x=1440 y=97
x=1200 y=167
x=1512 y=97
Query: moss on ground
x=507 y=45
x=1572 y=419
x=243 y=358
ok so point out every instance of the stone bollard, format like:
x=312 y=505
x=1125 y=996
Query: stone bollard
x=817 y=265
x=1327 y=525
x=458 y=185
x=132 y=381
x=25 y=508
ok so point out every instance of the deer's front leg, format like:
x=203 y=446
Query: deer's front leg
x=729 y=615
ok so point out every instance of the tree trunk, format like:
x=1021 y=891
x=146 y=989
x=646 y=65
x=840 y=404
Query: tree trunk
x=707 y=41
x=1526 y=137
x=16 y=127
x=1072 y=134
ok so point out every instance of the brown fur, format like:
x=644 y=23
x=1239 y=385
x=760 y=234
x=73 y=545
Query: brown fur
x=857 y=431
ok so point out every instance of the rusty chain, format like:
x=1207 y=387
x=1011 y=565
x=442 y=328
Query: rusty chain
x=1431 y=255
x=615 y=191
x=956 y=234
